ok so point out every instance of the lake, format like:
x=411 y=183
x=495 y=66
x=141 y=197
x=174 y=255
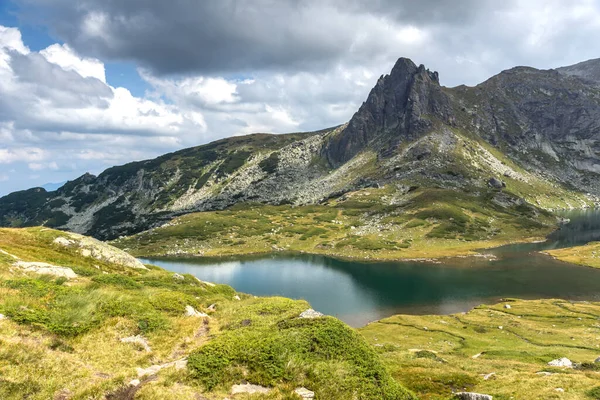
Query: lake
x=358 y=292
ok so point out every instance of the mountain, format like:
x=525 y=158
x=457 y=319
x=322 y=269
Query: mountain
x=523 y=136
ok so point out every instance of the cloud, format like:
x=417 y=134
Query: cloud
x=214 y=69
x=56 y=105
x=232 y=37
x=63 y=56
x=26 y=154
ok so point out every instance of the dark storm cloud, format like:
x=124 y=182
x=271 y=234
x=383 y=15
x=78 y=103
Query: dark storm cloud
x=184 y=36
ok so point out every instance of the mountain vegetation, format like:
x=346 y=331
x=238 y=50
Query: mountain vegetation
x=115 y=331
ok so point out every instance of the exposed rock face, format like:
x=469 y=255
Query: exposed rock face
x=587 y=70
x=410 y=130
x=393 y=112
x=549 y=122
x=90 y=247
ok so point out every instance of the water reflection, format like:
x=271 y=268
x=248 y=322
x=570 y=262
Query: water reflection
x=359 y=292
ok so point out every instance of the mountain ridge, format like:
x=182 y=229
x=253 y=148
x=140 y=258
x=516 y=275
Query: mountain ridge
x=536 y=129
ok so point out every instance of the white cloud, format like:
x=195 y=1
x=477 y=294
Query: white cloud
x=26 y=154
x=65 y=57
x=249 y=68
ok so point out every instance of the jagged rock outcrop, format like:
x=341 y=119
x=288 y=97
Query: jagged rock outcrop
x=396 y=111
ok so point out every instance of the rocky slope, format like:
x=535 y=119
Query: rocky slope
x=532 y=134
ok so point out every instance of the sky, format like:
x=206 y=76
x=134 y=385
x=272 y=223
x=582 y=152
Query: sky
x=88 y=84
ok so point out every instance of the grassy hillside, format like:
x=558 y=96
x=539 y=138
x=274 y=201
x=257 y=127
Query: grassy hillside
x=89 y=336
x=495 y=350
x=392 y=222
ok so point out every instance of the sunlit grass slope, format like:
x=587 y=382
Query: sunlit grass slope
x=63 y=338
x=495 y=350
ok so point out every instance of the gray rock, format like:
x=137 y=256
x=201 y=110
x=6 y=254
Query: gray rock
x=45 y=269
x=496 y=183
x=310 y=313
x=304 y=393
x=597 y=360
x=192 y=312
x=507 y=306
x=92 y=248
x=178 y=277
x=472 y=396
x=561 y=362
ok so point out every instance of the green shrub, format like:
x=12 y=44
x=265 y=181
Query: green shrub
x=172 y=302
x=297 y=352
x=594 y=393
x=269 y=164
x=117 y=280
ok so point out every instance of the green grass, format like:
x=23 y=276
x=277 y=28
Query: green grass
x=363 y=224
x=63 y=336
x=438 y=354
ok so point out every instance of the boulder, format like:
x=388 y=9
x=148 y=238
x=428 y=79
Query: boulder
x=597 y=360
x=46 y=269
x=192 y=312
x=507 y=306
x=304 y=393
x=92 y=248
x=496 y=183
x=472 y=396
x=178 y=277
x=310 y=313
x=561 y=362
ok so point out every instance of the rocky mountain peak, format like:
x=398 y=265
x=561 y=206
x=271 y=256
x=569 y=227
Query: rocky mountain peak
x=395 y=111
